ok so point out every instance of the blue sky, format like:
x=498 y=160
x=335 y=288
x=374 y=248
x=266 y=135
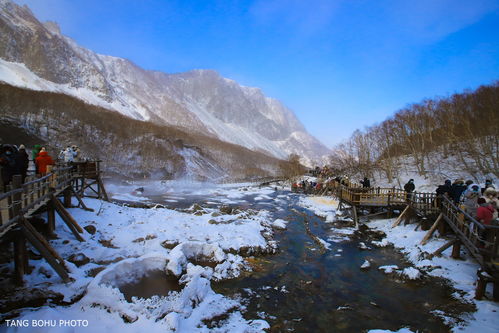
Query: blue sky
x=338 y=64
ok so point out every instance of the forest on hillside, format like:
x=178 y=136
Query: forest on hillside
x=463 y=126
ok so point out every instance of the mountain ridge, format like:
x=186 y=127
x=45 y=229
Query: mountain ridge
x=199 y=100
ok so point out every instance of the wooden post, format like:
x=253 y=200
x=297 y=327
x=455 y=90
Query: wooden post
x=82 y=204
x=432 y=229
x=102 y=190
x=45 y=249
x=20 y=258
x=67 y=197
x=83 y=168
x=480 y=288
x=68 y=219
x=51 y=217
x=443 y=248
x=20 y=252
x=442 y=229
x=355 y=218
x=456 y=249
x=399 y=219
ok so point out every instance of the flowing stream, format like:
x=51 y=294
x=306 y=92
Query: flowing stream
x=309 y=288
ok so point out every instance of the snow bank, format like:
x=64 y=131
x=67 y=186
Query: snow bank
x=321 y=206
x=127 y=244
x=180 y=255
x=462 y=273
x=279 y=224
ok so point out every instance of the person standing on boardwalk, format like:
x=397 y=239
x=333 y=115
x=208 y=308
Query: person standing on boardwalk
x=488 y=184
x=409 y=187
x=366 y=183
x=470 y=198
x=42 y=161
x=446 y=188
x=22 y=162
x=8 y=164
x=34 y=154
x=457 y=190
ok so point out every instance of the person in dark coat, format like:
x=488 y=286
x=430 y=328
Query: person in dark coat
x=8 y=163
x=22 y=162
x=366 y=183
x=488 y=183
x=446 y=188
x=409 y=187
x=457 y=190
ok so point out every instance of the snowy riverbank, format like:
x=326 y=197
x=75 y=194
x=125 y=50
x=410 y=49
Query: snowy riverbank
x=201 y=244
x=125 y=245
x=461 y=273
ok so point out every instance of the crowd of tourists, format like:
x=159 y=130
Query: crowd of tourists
x=482 y=203
x=15 y=160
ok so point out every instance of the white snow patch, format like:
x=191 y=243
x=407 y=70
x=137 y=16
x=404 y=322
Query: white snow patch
x=365 y=265
x=388 y=269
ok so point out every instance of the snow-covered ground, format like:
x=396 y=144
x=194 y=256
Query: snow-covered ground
x=461 y=273
x=130 y=242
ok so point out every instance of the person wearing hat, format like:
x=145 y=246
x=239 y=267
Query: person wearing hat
x=470 y=198
x=457 y=190
x=22 y=162
x=76 y=152
x=42 y=161
x=445 y=188
x=409 y=187
x=488 y=184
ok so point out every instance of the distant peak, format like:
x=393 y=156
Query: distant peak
x=53 y=27
x=205 y=72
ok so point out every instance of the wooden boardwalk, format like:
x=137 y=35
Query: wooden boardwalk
x=22 y=201
x=480 y=240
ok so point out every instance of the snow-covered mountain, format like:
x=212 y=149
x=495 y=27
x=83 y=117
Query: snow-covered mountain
x=37 y=56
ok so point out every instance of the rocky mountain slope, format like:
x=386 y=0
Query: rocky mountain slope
x=37 y=56
x=128 y=147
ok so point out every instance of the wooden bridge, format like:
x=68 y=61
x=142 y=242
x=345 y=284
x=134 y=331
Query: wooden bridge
x=480 y=240
x=21 y=202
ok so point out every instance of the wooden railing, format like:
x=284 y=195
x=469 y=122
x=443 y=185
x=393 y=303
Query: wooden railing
x=424 y=203
x=21 y=201
x=480 y=239
x=22 y=198
x=372 y=196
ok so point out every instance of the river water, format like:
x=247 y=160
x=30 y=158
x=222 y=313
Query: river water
x=308 y=288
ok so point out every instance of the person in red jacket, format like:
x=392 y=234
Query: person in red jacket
x=484 y=212
x=42 y=161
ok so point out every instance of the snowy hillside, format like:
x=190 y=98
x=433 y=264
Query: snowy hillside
x=38 y=56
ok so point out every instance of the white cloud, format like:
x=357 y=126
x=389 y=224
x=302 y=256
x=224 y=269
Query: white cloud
x=431 y=20
x=305 y=17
